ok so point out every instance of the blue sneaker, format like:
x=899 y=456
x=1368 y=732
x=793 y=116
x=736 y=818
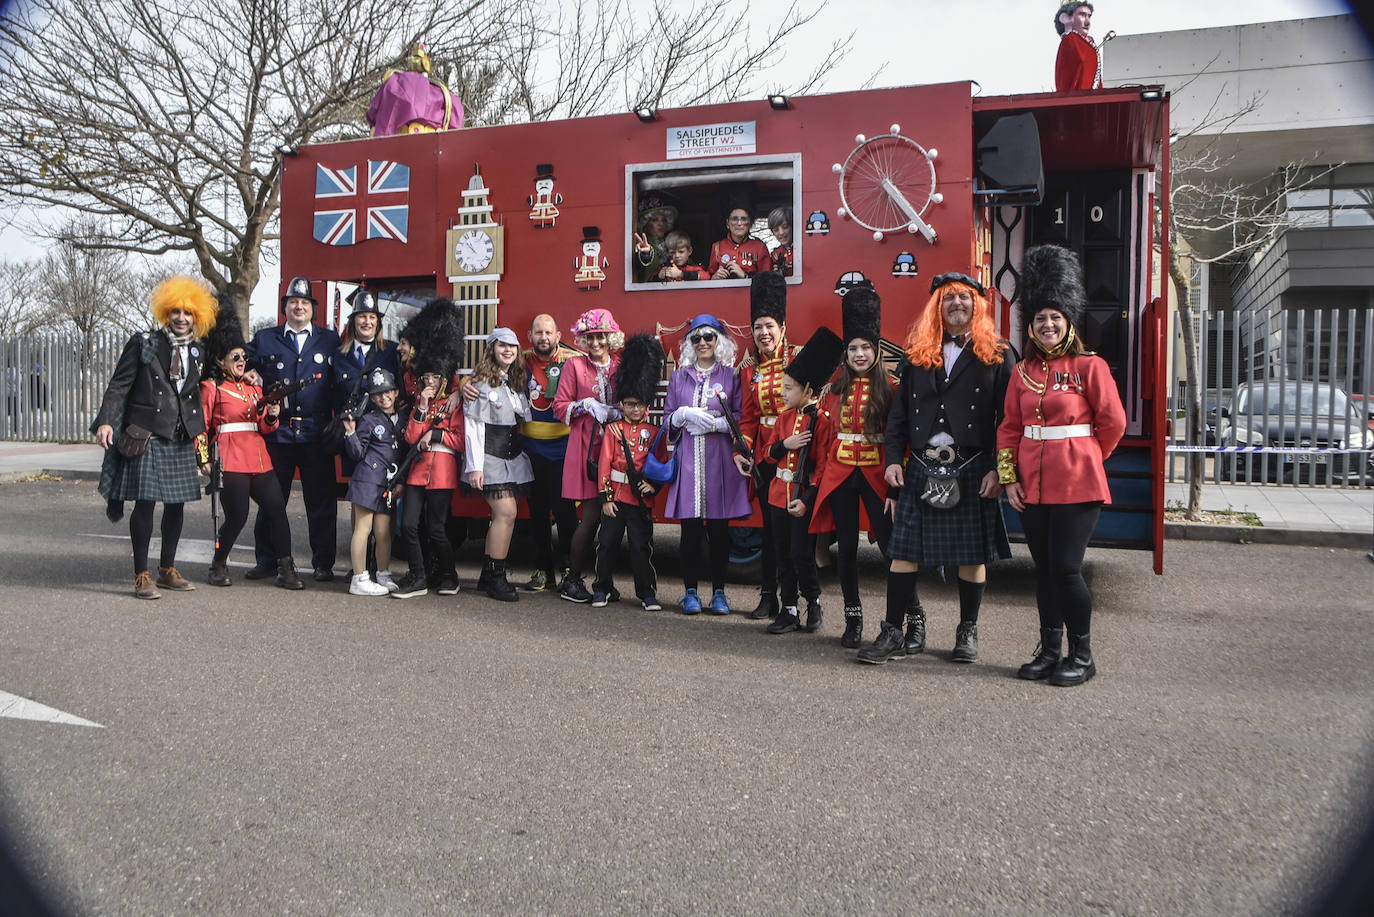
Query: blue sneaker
x=719 y=605
x=691 y=603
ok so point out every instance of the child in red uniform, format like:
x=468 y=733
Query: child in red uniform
x=622 y=509
x=788 y=504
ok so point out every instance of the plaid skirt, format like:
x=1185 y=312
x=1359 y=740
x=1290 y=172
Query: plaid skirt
x=970 y=533
x=166 y=473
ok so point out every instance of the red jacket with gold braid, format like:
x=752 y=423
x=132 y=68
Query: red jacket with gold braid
x=762 y=402
x=1078 y=64
x=841 y=445
x=610 y=476
x=438 y=468
x=783 y=489
x=241 y=450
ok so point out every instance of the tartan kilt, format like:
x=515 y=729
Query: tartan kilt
x=969 y=533
x=166 y=473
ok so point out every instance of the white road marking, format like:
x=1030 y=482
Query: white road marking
x=21 y=708
x=189 y=550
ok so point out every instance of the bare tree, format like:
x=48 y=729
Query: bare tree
x=167 y=119
x=1220 y=219
x=92 y=288
x=21 y=299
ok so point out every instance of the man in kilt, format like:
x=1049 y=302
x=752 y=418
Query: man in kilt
x=940 y=454
x=148 y=422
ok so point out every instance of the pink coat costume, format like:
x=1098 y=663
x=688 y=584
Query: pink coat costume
x=581 y=378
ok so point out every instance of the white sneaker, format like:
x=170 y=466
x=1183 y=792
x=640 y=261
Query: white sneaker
x=362 y=585
x=384 y=579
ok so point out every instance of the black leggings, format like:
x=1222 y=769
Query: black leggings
x=434 y=503
x=141 y=532
x=768 y=577
x=580 y=554
x=1057 y=535
x=796 y=553
x=844 y=507
x=266 y=493
x=693 y=531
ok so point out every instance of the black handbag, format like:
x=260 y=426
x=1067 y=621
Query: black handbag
x=660 y=473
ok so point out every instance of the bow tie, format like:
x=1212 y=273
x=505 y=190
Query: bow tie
x=958 y=340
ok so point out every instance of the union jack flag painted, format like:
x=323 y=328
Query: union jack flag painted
x=381 y=207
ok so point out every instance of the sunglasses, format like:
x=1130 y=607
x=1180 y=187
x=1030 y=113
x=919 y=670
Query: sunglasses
x=707 y=336
x=236 y=358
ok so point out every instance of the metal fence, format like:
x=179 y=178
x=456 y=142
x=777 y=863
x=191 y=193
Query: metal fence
x=54 y=383
x=1286 y=397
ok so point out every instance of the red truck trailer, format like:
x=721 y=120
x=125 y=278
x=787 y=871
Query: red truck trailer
x=893 y=185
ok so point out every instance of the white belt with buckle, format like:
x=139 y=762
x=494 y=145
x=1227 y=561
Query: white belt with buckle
x=1066 y=431
x=440 y=447
x=237 y=428
x=619 y=476
x=858 y=438
x=768 y=421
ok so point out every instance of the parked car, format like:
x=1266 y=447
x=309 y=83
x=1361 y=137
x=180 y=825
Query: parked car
x=1295 y=415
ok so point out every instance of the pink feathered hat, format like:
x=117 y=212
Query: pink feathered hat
x=594 y=320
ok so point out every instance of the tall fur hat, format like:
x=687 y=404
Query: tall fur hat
x=768 y=297
x=640 y=369
x=226 y=335
x=182 y=292
x=863 y=315
x=817 y=361
x=1051 y=278
x=436 y=337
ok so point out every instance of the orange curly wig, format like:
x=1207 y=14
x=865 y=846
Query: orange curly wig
x=182 y=292
x=925 y=338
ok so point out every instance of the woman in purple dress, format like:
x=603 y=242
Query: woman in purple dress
x=709 y=490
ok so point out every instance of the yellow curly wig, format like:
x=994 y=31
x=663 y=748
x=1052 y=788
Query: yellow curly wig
x=182 y=292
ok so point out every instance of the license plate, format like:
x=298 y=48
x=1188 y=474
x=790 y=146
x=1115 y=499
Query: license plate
x=1306 y=458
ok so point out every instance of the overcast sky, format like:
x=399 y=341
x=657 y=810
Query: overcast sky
x=1005 y=46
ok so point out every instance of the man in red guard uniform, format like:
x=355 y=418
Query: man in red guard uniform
x=628 y=498
x=1079 y=64
x=761 y=374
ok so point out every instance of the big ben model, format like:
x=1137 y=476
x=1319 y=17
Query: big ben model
x=476 y=260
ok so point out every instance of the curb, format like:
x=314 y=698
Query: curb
x=15 y=477
x=1251 y=534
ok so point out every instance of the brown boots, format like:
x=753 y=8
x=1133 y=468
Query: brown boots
x=286 y=573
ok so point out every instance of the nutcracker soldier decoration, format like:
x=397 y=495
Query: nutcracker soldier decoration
x=590 y=264
x=544 y=202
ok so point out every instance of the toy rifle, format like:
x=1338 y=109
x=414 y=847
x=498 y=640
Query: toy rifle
x=212 y=489
x=803 y=474
x=741 y=445
x=632 y=474
x=398 y=473
x=278 y=391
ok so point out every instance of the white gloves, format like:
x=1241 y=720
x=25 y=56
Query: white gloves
x=699 y=421
x=720 y=424
x=596 y=409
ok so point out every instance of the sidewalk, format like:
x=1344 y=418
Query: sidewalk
x=1321 y=516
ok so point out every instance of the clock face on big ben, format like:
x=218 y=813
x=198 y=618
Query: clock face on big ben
x=474 y=251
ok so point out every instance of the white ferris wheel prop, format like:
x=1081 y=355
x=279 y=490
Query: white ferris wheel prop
x=888 y=183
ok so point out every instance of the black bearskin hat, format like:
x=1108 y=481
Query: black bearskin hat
x=225 y=336
x=768 y=297
x=640 y=369
x=862 y=314
x=436 y=337
x=815 y=363
x=1051 y=278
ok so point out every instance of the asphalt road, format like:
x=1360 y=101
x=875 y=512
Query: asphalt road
x=265 y=751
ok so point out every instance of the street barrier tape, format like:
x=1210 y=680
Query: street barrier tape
x=1270 y=450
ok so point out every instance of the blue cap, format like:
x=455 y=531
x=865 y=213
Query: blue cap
x=704 y=319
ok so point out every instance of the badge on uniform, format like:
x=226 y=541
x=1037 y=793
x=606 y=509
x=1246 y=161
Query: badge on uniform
x=195 y=351
x=554 y=371
x=280 y=366
x=644 y=434
x=319 y=358
x=494 y=397
x=379 y=431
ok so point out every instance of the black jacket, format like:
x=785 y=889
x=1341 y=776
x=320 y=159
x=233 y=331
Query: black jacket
x=141 y=393
x=973 y=398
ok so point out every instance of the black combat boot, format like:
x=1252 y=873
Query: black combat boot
x=287 y=577
x=1047 y=655
x=767 y=606
x=219 y=573
x=853 y=627
x=915 y=639
x=889 y=645
x=1078 y=666
x=814 y=615
x=965 y=642
x=785 y=622
x=498 y=587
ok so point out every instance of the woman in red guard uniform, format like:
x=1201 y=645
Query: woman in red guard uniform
x=739 y=254
x=761 y=374
x=434 y=428
x=586 y=403
x=234 y=428
x=1063 y=419
x=849 y=450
